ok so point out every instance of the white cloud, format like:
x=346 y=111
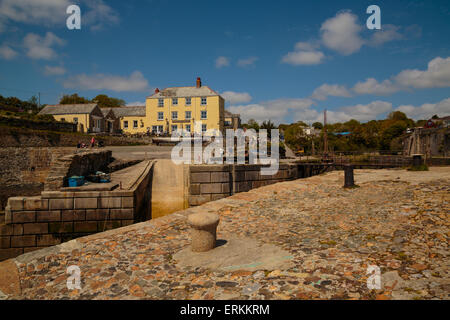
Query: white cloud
x=236 y=97
x=54 y=71
x=247 y=62
x=135 y=82
x=275 y=110
x=40 y=12
x=41 y=47
x=341 y=33
x=99 y=15
x=304 y=57
x=388 y=32
x=372 y=86
x=7 y=53
x=436 y=76
x=222 y=62
x=136 y=103
x=366 y=112
x=325 y=90
x=53 y=12
x=426 y=110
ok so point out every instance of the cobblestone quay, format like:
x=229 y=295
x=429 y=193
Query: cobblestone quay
x=326 y=236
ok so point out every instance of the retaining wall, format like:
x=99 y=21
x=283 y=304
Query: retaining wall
x=53 y=217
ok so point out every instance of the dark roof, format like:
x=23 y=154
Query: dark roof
x=228 y=114
x=137 y=111
x=68 y=109
x=177 y=92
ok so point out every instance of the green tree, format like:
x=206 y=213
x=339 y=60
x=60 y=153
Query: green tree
x=251 y=124
x=104 y=101
x=317 y=125
x=73 y=99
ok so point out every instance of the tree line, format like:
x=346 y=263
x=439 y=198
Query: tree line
x=347 y=136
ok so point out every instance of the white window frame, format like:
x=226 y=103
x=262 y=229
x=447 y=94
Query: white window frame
x=160 y=129
x=204 y=127
x=206 y=101
x=160 y=113
x=174 y=126
x=186 y=115
x=201 y=115
x=176 y=115
x=174 y=101
x=188 y=99
x=186 y=127
x=160 y=102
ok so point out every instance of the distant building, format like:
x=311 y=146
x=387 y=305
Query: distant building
x=112 y=123
x=231 y=120
x=180 y=107
x=132 y=120
x=88 y=117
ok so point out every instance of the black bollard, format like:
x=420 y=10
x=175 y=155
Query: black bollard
x=349 y=179
x=417 y=160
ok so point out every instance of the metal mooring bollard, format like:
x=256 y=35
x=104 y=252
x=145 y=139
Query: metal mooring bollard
x=349 y=179
x=417 y=160
x=203 y=231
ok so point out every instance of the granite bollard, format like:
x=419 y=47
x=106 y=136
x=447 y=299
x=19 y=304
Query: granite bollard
x=203 y=231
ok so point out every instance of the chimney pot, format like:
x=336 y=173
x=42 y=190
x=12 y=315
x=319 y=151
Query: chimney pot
x=199 y=82
x=156 y=90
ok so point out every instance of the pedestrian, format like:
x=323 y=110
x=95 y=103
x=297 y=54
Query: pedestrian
x=92 y=142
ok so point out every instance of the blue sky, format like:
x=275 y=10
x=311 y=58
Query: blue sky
x=280 y=60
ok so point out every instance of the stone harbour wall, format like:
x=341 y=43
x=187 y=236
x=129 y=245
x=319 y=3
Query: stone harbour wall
x=213 y=182
x=31 y=223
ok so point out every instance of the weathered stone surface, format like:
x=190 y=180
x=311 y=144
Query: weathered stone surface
x=200 y=177
x=86 y=203
x=35 y=228
x=64 y=203
x=23 y=216
x=203 y=231
x=121 y=214
x=23 y=241
x=47 y=216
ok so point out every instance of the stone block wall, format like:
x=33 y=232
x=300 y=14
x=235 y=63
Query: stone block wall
x=80 y=164
x=36 y=222
x=213 y=182
x=23 y=171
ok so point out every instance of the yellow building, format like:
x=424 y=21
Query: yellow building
x=132 y=120
x=180 y=107
x=88 y=117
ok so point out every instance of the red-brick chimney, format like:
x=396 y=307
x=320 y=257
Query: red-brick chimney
x=156 y=90
x=199 y=82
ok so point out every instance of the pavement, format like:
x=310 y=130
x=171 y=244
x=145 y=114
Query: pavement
x=324 y=241
x=140 y=152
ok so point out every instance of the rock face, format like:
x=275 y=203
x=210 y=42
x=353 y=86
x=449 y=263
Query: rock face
x=203 y=232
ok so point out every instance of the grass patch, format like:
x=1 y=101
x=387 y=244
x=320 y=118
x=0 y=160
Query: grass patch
x=422 y=167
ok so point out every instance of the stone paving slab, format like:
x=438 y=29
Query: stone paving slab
x=396 y=220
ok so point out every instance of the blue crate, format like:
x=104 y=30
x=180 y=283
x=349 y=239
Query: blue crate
x=76 y=181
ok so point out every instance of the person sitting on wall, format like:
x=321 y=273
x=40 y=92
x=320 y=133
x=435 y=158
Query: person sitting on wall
x=92 y=142
x=79 y=145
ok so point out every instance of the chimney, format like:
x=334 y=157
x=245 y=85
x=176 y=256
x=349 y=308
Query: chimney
x=199 y=82
x=156 y=90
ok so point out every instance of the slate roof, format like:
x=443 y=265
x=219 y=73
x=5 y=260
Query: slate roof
x=136 y=111
x=228 y=114
x=68 y=109
x=181 y=92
